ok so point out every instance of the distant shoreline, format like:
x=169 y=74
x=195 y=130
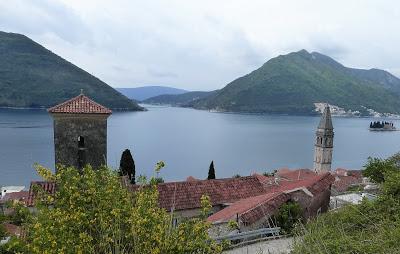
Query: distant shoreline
x=268 y=113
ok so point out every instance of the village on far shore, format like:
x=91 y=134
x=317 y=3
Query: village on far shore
x=80 y=138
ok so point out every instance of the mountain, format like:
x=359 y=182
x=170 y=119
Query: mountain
x=292 y=83
x=32 y=76
x=184 y=100
x=145 y=92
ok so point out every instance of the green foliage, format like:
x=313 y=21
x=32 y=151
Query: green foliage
x=270 y=173
x=376 y=168
x=211 y=171
x=14 y=246
x=2 y=229
x=127 y=165
x=32 y=76
x=233 y=225
x=185 y=99
x=371 y=227
x=20 y=213
x=92 y=213
x=355 y=188
x=236 y=176
x=288 y=216
x=158 y=180
x=205 y=206
x=293 y=83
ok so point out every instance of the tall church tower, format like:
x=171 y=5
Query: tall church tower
x=80 y=132
x=324 y=143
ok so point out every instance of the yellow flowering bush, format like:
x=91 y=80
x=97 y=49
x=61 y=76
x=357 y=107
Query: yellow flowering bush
x=91 y=212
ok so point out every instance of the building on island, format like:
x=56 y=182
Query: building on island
x=80 y=132
x=324 y=143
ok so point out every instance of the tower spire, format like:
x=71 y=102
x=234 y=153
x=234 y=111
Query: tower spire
x=324 y=142
x=326 y=119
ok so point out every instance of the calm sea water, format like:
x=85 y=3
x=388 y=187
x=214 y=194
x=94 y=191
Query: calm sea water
x=187 y=140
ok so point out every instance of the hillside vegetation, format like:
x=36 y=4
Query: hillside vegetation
x=145 y=92
x=32 y=76
x=184 y=100
x=291 y=84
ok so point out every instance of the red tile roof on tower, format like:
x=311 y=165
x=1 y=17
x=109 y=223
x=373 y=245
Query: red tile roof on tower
x=80 y=104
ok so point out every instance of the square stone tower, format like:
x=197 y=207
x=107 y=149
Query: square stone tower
x=80 y=132
x=324 y=143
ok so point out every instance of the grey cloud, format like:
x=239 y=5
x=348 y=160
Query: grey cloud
x=38 y=17
x=162 y=74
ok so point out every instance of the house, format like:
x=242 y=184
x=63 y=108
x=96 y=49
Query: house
x=12 y=196
x=311 y=192
x=345 y=179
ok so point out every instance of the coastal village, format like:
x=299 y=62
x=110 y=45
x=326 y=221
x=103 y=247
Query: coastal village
x=80 y=138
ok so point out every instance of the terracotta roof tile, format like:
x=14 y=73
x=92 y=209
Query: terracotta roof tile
x=254 y=208
x=12 y=229
x=298 y=174
x=191 y=179
x=342 y=183
x=49 y=187
x=80 y=104
x=242 y=206
x=187 y=194
x=267 y=208
x=19 y=196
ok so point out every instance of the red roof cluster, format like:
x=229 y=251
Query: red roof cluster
x=275 y=194
x=186 y=195
x=80 y=104
x=250 y=197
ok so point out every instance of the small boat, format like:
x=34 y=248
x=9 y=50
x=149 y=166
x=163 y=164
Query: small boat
x=382 y=126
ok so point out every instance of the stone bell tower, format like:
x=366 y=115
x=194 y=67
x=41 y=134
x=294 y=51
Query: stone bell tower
x=324 y=143
x=80 y=132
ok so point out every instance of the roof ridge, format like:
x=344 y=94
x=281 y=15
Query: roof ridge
x=80 y=104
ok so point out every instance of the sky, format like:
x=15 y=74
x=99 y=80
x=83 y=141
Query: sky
x=203 y=45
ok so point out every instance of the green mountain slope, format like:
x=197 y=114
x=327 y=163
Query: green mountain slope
x=185 y=99
x=145 y=92
x=32 y=76
x=291 y=84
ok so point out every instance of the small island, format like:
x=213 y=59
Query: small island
x=381 y=126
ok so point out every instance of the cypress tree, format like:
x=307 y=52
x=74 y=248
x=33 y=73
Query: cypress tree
x=127 y=165
x=211 y=171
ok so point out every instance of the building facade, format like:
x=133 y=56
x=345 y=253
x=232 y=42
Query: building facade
x=324 y=143
x=80 y=132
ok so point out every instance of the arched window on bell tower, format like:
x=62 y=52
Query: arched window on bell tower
x=81 y=152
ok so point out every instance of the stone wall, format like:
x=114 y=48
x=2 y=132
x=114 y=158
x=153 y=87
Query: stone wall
x=67 y=129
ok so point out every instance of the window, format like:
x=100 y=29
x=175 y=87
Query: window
x=81 y=152
x=81 y=142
